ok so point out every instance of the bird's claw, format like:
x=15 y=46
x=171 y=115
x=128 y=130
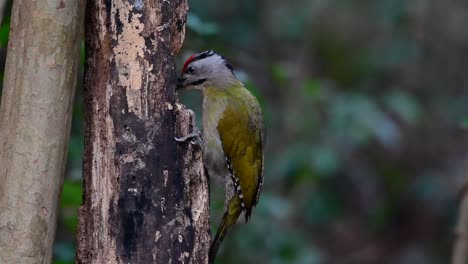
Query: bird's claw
x=194 y=137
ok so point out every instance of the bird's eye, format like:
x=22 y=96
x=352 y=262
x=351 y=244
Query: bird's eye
x=190 y=70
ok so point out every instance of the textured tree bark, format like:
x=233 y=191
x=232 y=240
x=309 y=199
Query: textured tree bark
x=35 y=115
x=145 y=195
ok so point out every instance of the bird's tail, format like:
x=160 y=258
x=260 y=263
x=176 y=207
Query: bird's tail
x=229 y=219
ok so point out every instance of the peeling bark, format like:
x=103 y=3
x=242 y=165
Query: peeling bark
x=40 y=79
x=145 y=195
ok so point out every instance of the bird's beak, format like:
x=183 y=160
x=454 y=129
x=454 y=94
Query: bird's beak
x=180 y=83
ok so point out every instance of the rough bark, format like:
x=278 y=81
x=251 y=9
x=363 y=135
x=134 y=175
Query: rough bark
x=145 y=195
x=35 y=115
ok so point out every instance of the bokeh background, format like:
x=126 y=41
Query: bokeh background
x=366 y=108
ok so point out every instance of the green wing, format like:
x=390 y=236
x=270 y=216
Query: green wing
x=241 y=132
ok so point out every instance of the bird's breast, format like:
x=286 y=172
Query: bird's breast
x=213 y=154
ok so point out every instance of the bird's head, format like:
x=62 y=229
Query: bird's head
x=206 y=69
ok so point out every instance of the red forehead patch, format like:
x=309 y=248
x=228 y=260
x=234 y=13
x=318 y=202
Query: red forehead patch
x=187 y=62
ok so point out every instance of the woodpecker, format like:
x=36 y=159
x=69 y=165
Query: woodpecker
x=233 y=135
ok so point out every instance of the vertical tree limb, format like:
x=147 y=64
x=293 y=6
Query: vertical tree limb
x=35 y=115
x=460 y=250
x=145 y=195
x=460 y=247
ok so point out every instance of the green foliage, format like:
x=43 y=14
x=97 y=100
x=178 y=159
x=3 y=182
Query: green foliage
x=71 y=194
x=313 y=88
x=4 y=34
x=352 y=119
x=64 y=253
x=70 y=202
x=342 y=62
x=279 y=74
x=405 y=106
x=203 y=28
x=5 y=27
x=464 y=123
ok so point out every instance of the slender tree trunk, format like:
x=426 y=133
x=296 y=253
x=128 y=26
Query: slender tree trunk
x=460 y=248
x=35 y=115
x=145 y=195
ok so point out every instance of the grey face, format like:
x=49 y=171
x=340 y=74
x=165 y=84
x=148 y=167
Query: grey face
x=207 y=69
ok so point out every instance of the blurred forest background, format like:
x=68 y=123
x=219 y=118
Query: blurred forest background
x=366 y=108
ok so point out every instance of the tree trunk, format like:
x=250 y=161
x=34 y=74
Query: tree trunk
x=35 y=115
x=460 y=247
x=145 y=195
x=460 y=250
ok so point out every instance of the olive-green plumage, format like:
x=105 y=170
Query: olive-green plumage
x=233 y=136
x=235 y=115
x=240 y=129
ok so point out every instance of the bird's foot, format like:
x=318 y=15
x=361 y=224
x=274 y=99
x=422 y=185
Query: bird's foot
x=194 y=137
